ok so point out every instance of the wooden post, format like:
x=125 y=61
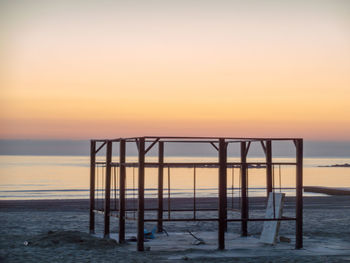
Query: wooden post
x=141 y=196
x=122 y=173
x=299 y=193
x=268 y=168
x=244 y=206
x=92 y=185
x=107 y=189
x=222 y=193
x=160 y=186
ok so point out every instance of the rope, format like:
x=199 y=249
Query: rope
x=168 y=192
x=194 y=192
x=240 y=189
x=115 y=188
x=112 y=186
x=96 y=189
x=100 y=188
x=133 y=192
x=280 y=177
x=99 y=192
x=103 y=187
x=247 y=182
x=232 y=186
x=247 y=192
x=273 y=191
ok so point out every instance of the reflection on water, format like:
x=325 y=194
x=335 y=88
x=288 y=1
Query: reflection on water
x=63 y=177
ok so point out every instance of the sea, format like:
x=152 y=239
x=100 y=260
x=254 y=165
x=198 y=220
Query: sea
x=27 y=177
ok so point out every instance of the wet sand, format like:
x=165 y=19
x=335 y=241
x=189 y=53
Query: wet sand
x=56 y=231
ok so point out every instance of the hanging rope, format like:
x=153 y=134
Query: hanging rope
x=100 y=188
x=247 y=182
x=232 y=185
x=240 y=188
x=133 y=192
x=103 y=187
x=273 y=191
x=112 y=186
x=96 y=189
x=115 y=188
x=168 y=192
x=194 y=192
x=280 y=177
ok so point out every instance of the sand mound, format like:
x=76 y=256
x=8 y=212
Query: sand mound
x=62 y=238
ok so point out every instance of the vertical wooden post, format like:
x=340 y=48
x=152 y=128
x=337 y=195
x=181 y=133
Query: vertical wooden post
x=244 y=206
x=141 y=196
x=107 y=189
x=268 y=168
x=160 y=186
x=299 y=193
x=92 y=185
x=222 y=193
x=122 y=173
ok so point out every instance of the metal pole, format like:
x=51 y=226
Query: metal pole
x=141 y=196
x=160 y=186
x=107 y=189
x=299 y=193
x=122 y=175
x=222 y=193
x=244 y=200
x=268 y=168
x=92 y=186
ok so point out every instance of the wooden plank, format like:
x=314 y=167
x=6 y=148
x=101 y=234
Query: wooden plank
x=274 y=210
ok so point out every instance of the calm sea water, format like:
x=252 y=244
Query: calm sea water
x=67 y=177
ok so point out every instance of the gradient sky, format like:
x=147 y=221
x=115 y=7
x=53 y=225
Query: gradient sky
x=91 y=69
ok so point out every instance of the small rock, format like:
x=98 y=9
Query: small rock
x=285 y=239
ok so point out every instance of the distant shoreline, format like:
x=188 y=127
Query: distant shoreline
x=66 y=147
x=336 y=165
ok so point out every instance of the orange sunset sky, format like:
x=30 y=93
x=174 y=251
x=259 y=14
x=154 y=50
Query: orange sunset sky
x=91 y=69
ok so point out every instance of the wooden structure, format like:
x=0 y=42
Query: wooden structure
x=145 y=144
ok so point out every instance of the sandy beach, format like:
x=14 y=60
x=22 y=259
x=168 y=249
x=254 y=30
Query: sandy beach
x=57 y=231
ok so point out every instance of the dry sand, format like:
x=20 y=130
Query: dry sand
x=56 y=231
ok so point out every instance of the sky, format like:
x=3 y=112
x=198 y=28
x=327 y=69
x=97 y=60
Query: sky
x=108 y=69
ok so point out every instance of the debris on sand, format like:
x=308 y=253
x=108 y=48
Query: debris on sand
x=60 y=238
x=198 y=240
